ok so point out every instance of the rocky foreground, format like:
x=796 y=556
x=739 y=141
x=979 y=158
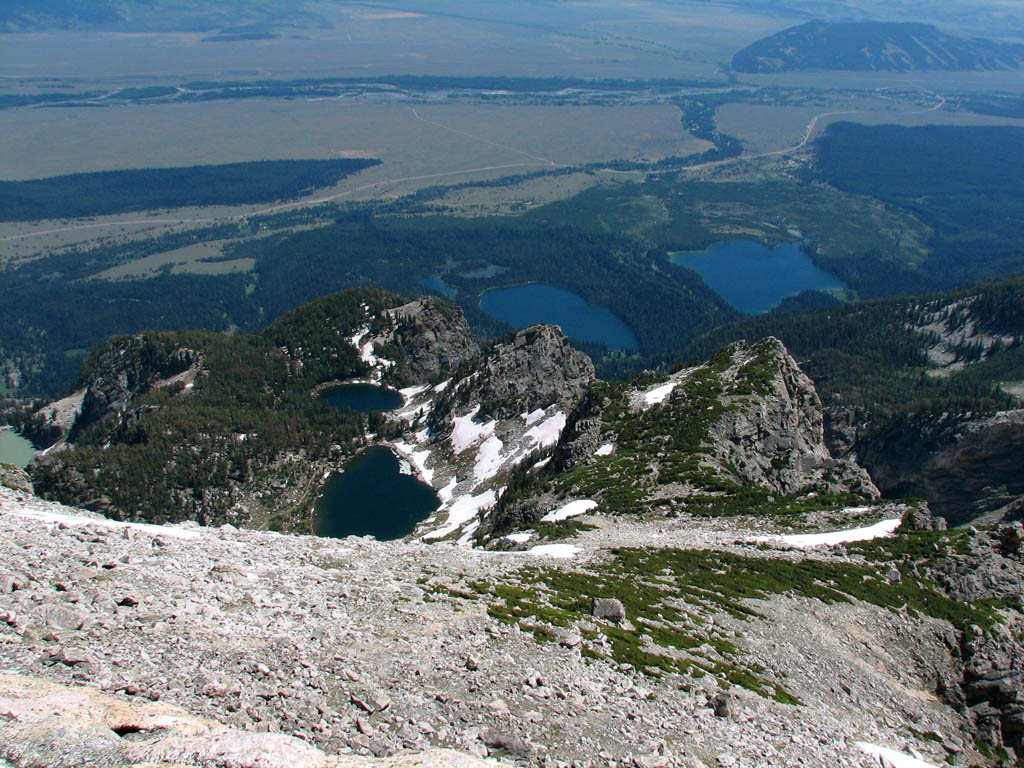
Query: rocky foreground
x=223 y=647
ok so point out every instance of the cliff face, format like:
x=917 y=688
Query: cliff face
x=966 y=467
x=990 y=567
x=433 y=337
x=498 y=411
x=776 y=438
x=128 y=368
x=534 y=368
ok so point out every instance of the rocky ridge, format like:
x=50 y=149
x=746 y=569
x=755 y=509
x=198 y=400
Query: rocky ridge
x=743 y=431
x=498 y=410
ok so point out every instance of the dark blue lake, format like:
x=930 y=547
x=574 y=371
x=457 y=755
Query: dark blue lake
x=753 y=278
x=522 y=305
x=372 y=497
x=439 y=286
x=361 y=397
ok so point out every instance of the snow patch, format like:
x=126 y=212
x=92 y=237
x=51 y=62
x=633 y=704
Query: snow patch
x=488 y=459
x=542 y=463
x=464 y=509
x=876 y=531
x=467 y=432
x=418 y=460
x=448 y=492
x=533 y=417
x=890 y=758
x=572 y=509
x=547 y=432
x=659 y=394
x=467 y=533
x=555 y=550
x=410 y=392
x=605 y=450
x=520 y=538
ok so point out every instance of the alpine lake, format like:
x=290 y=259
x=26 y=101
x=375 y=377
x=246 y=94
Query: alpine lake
x=15 y=449
x=754 y=278
x=376 y=493
x=521 y=305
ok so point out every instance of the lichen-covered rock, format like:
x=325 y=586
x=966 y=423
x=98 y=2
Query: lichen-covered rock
x=608 y=608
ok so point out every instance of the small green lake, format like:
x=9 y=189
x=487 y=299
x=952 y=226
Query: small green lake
x=361 y=397
x=753 y=278
x=523 y=305
x=15 y=449
x=375 y=495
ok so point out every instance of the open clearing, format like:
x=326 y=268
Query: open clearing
x=188 y=260
x=411 y=139
x=514 y=198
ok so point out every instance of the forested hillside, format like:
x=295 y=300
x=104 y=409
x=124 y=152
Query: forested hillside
x=876 y=355
x=963 y=182
x=237 y=422
x=48 y=321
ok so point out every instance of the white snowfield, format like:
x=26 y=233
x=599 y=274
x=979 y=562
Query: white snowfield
x=571 y=509
x=890 y=758
x=876 y=531
x=418 y=459
x=659 y=394
x=521 y=537
x=605 y=450
x=555 y=550
x=532 y=417
x=464 y=509
x=467 y=432
x=488 y=459
x=492 y=457
x=546 y=433
x=410 y=392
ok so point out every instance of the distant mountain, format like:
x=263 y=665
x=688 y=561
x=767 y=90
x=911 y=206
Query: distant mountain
x=868 y=46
